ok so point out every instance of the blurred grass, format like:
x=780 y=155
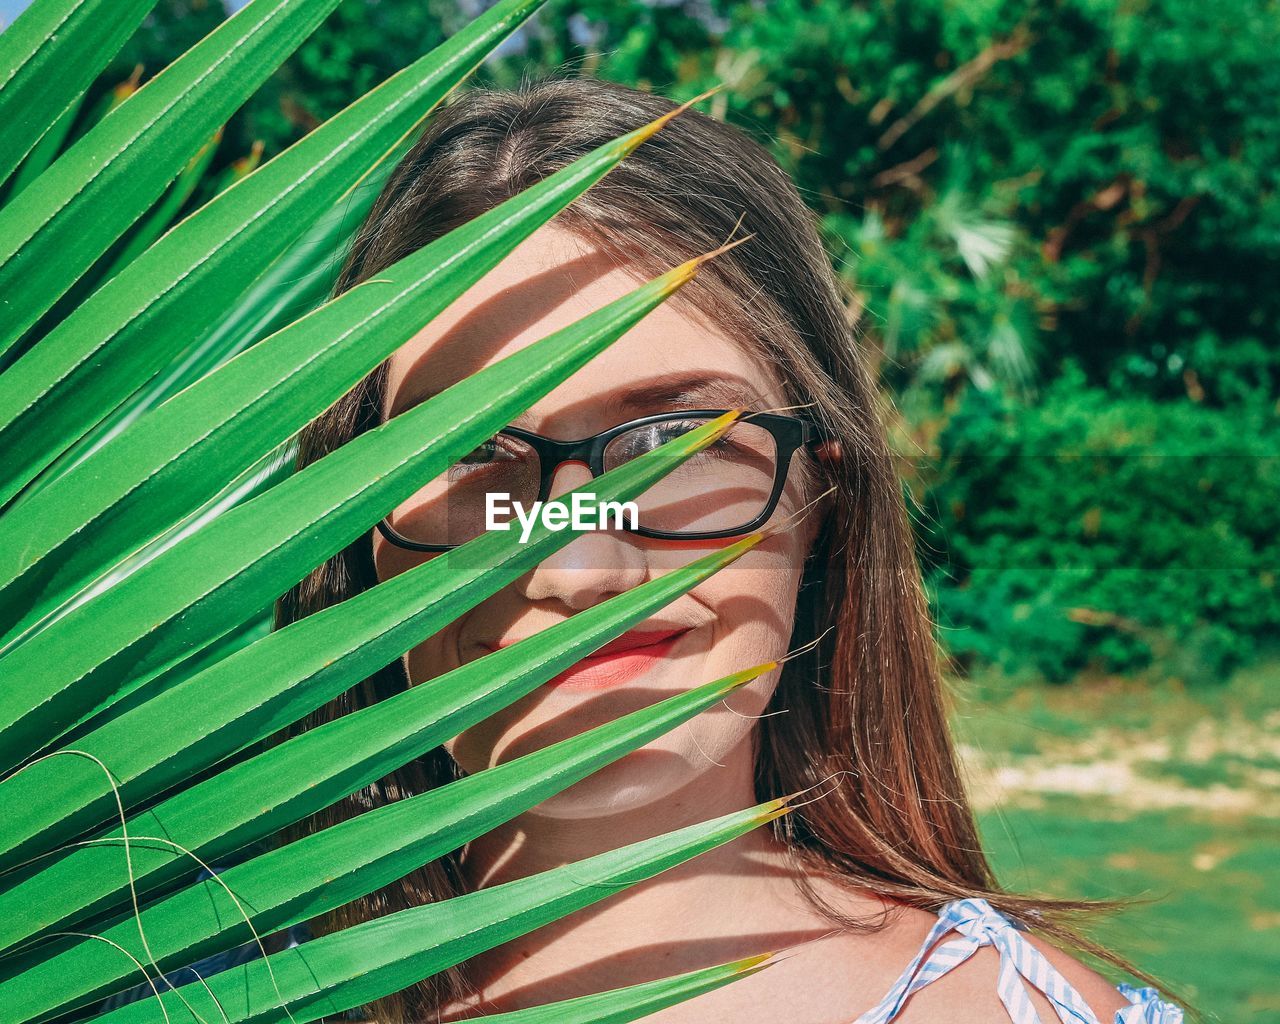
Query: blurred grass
x=1114 y=788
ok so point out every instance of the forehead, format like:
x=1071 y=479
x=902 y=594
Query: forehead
x=674 y=357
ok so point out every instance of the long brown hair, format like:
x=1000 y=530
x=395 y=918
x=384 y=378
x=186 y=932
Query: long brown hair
x=866 y=703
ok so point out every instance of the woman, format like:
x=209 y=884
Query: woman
x=878 y=886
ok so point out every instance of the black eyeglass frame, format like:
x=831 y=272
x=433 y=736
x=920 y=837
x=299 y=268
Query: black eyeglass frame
x=790 y=434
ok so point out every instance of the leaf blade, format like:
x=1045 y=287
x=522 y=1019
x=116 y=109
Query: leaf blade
x=346 y=969
x=51 y=234
x=255 y=798
x=122 y=334
x=175 y=458
x=262 y=688
x=291 y=884
x=49 y=56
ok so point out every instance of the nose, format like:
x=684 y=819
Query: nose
x=592 y=567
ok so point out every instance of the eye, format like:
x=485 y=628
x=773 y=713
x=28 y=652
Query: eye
x=496 y=449
x=480 y=455
x=637 y=442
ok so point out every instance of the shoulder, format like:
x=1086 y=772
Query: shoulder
x=969 y=993
x=962 y=984
x=972 y=965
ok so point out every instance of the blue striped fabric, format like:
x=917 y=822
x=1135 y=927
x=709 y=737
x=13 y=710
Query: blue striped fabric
x=979 y=924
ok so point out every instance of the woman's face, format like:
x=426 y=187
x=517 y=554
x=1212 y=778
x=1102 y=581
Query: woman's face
x=738 y=618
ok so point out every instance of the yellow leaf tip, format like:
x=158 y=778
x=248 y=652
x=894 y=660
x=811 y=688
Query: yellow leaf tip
x=774 y=810
x=750 y=963
x=719 y=250
x=751 y=540
x=710 y=432
x=700 y=97
x=723 y=422
x=656 y=125
x=677 y=277
x=747 y=675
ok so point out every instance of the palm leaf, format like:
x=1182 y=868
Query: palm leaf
x=339 y=971
x=43 y=152
x=325 y=870
x=123 y=334
x=48 y=58
x=176 y=458
x=54 y=230
x=276 y=681
x=152 y=519
x=254 y=798
x=620 y=1005
x=297 y=283
x=187 y=596
x=160 y=217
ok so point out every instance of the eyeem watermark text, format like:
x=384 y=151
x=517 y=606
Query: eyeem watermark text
x=583 y=512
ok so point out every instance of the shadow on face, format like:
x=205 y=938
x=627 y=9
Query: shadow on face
x=675 y=359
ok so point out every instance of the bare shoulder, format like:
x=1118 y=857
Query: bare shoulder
x=968 y=993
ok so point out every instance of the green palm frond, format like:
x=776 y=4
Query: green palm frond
x=48 y=58
x=122 y=335
x=155 y=377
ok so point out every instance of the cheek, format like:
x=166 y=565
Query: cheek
x=390 y=561
x=754 y=605
x=709 y=740
x=683 y=766
x=753 y=601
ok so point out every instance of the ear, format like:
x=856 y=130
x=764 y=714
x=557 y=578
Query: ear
x=829 y=452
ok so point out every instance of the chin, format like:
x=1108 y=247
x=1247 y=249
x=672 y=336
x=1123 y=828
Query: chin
x=638 y=782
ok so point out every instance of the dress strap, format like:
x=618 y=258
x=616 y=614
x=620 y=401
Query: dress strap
x=1146 y=1007
x=980 y=924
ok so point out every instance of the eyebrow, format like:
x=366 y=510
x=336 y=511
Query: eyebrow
x=672 y=391
x=677 y=389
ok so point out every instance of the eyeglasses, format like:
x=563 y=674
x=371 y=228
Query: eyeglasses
x=729 y=488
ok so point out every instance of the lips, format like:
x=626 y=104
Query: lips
x=621 y=660
x=635 y=639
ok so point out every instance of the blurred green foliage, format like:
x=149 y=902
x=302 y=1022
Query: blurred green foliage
x=1103 y=531
x=1059 y=226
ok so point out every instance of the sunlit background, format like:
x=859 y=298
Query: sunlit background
x=1059 y=230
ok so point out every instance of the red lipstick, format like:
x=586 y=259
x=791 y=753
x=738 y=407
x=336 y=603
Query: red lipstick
x=621 y=660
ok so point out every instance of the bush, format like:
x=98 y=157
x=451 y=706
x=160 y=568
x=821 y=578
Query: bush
x=1090 y=531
